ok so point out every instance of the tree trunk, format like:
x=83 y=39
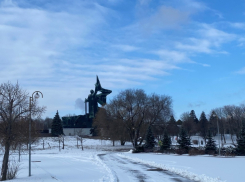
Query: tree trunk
x=232 y=139
x=113 y=143
x=19 y=152
x=82 y=143
x=5 y=162
x=77 y=141
x=122 y=142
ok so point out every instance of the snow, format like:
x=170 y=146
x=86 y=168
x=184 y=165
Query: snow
x=200 y=168
x=51 y=164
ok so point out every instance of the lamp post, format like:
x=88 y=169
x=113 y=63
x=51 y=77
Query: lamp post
x=31 y=99
x=218 y=131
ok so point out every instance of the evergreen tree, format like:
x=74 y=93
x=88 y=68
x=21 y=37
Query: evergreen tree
x=179 y=122
x=203 y=126
x=57 y=128
x=193 y=117
x=172 y=127
x=210 y=143
x=166 y=142
x=150 y=139
x=241 y=142
x=184 y=140
x=213 y=123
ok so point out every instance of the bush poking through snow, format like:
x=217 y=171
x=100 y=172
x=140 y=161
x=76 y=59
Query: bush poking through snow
x=196 y=151
x=13 y=168
x=139 y=149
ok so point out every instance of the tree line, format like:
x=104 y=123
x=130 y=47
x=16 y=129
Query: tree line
x=228 y=119
x=130 y=113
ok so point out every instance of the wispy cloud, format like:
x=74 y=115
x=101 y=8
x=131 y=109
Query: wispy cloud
x=164 y=18
x=126 y=48
x=241 y=71
x=196 y=104
x=238 y=25
x=172 y=56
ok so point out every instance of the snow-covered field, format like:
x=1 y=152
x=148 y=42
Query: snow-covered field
x=100 y=161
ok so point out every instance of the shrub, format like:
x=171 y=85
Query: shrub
x=139 y=149
x=13 y=168
x=197 y=151
x=181 y=151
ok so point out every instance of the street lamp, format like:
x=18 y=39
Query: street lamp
x=218 y=130
x=31 y=99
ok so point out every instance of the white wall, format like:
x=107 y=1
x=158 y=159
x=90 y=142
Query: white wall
x=75 y=131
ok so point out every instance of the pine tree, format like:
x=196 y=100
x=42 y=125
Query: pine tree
x=57 y=128
x=193 y=117
x=179 y=122
x=184 y=140
x=172 y=127
x=166 y=142
x=240 y=149
x=203 y=126
x=210 y=143
x=150 y=139
x=213 y=119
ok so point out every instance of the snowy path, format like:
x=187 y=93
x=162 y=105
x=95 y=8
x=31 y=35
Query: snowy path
x=126 y=170
x=63 y=168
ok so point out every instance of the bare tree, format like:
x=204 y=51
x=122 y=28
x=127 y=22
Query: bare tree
x=80 y=137
x=110 y=126
x=133 y=110
x=13 y=104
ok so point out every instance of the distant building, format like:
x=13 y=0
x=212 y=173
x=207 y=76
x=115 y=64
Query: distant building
x=77 y=125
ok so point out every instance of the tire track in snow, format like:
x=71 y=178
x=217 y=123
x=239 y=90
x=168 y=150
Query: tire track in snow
x=180 y=172
x=127 y=170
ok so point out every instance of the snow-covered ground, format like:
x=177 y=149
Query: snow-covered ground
x=100 y=161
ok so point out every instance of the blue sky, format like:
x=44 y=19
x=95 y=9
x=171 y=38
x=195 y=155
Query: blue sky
x=190 y=50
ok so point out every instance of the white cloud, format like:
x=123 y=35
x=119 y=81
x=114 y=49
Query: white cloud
x=238 y=25
x=241 y=71
x=215 y=36
x=32 y=38
x=164 y=18
x=208 y=40
x=172 y=56
x=205 y=65
x=126 y=48
x=144 y=2
x=196 y=104
x=195 y=45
